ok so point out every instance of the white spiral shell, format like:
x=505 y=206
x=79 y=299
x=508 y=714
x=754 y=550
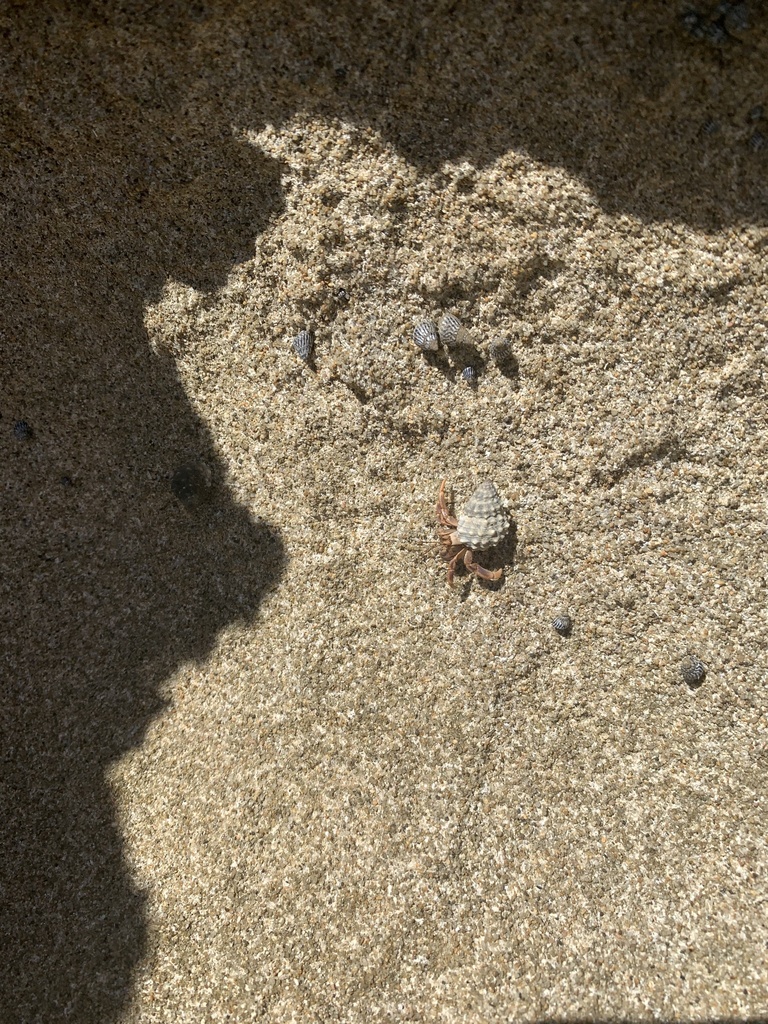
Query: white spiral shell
x=483 y=523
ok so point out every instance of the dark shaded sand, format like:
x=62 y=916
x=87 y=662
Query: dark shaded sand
x=259 y=761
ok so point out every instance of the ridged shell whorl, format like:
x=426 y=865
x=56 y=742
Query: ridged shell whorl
x=483 y=524
x=426 y=337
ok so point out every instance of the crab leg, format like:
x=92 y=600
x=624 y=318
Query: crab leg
x=443 y=514
x=478 y=570
x=449 y=548
x=452 y=566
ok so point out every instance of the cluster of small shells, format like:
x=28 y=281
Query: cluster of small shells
x=455 y=340
x=483 y=522
x=428 y=336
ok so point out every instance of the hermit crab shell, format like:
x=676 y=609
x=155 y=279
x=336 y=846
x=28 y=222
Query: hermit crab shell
x=483 y=524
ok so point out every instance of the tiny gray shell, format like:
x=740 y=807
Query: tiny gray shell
x=715 y=33
x=501 y=353
x=426 y=337
x=735 y=17
x=692 y=670
x=303 y=345
x=563 y=625
x=483 y=524
x=694 y=24
x=469 y=374
x=22 y=431
x=449 y=329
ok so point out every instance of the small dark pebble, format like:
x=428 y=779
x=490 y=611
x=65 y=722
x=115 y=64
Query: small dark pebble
x=563 y=625
x=304 y=345
x=341 y=295
x=66 y=481
x=22 y=431
x=715 y=33
x=192 y=484
x=756 y=113
x=735 y=17
x=694 y=24
x=756 y=141
x=692 y=670
x=710 y=127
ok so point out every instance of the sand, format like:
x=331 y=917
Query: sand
x=259 y=761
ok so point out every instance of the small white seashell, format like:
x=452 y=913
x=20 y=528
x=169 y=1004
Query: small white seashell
x=304 y=345
x=483 y=524
x=449 y=329
x=563 y=624
x=426 y=337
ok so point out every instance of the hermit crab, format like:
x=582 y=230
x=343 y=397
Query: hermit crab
x=482 y=525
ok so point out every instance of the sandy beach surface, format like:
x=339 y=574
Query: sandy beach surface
x=259 y=761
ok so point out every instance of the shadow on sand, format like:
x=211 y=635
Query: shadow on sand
x=108 y=581
x=119 y=171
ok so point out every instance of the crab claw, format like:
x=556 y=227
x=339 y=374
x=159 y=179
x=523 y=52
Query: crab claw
x=478 y=570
